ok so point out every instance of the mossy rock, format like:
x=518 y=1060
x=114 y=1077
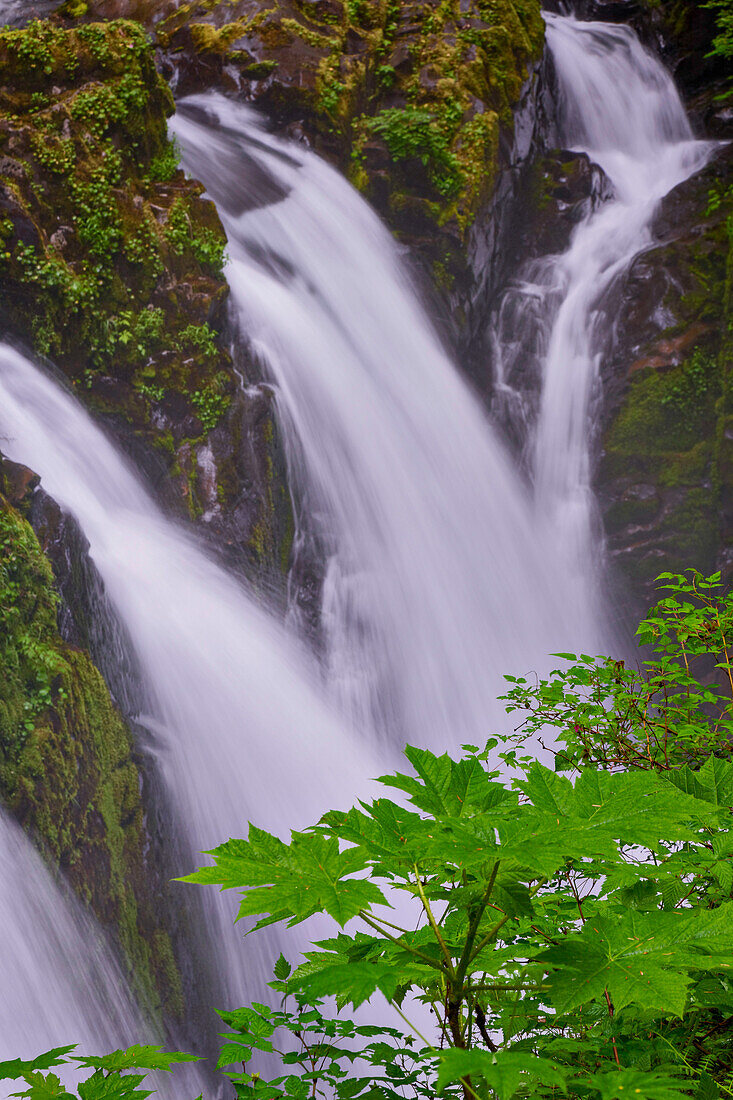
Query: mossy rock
x=411 y=98
x=110 y=259
x=665 y=476
x=67 y=769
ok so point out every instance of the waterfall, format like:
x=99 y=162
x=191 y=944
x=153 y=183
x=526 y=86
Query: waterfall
x=617 y=104
x=436 y=581
x=443 y=567
x=59 y=983
x=238 y=727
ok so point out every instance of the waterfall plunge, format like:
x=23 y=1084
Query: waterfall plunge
x=441 y=572
x=240 y=729
x=59 y=984
x=437 y=581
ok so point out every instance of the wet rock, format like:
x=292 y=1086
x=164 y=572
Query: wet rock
x=67 y=767
x=415 y=102
x=110 y=258
x=666 y=392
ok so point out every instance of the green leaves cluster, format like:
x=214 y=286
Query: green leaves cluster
x=723 y=41
x=546 y=924
x=674 y=708
x=184 y=234
x=110 y=1077
x=412 y=133
x=567 y=934
x=28 y=655
x=539 y=934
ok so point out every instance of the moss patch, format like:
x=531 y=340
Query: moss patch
x=409 y=96
x=110 y=260
x=66 y=766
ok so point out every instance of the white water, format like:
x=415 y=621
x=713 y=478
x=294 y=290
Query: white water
x=59 y=983
x=240 y=729
x=437 y=582
x=619 y=105
x=442 y=573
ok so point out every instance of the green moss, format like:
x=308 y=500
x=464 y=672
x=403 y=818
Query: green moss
x=434 y=82
x=66 y=766
x=110 y=260
x=632 y=512
x=309 y=36
x=668 y=410
x=28 y=655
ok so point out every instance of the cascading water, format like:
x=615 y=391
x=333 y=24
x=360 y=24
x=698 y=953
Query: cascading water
x=441 y=571
x=617 y=104
x=59 y=983
x=436 y=582
x=239 y=728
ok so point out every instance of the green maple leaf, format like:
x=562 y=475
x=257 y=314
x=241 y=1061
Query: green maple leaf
x=113 y=1086
x=291 y=881
x=382 y=830
x=712 y=783
x=632 y=1084
x=638 y=958
x=44 y=1086
x=137 y=1057
x=18 y=1068
x=352 y=982
x=446 y=787
x=632 y=807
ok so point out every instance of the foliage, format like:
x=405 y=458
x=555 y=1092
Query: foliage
x=318 y=1050
x=659 y=715
x=200 y=339
x=561 y=934
x=164 y=166
x=110 y=1078
x=411 y=133
x=210 y=406
x=28 y=657
x=138 y=334
x=184 y=235
x=723 y=41
x=567 y=935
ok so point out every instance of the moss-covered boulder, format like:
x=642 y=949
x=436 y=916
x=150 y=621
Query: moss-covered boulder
x=67 y=768
x=111 y=265
x=413 y=99
x=111 y=259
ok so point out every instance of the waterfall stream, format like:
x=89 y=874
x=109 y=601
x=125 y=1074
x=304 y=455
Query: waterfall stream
x=59 y=985
x=443 y=567
x=436 y=581
x=617 y=104
x=239 y=729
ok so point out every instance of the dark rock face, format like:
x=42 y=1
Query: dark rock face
x=664 y=477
